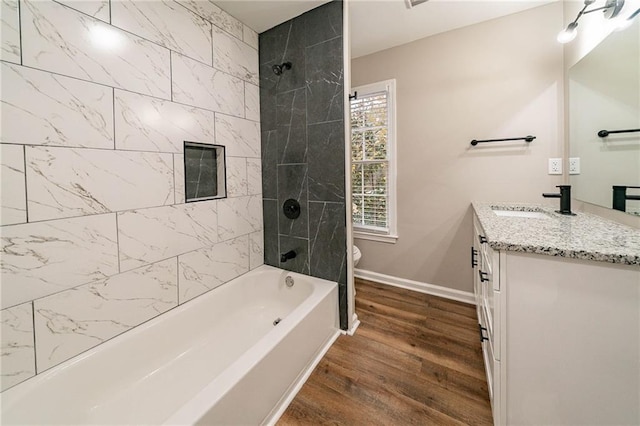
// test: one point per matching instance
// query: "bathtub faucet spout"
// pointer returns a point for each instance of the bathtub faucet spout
(288, 255)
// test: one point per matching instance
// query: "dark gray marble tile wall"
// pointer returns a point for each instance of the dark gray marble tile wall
(303, 142)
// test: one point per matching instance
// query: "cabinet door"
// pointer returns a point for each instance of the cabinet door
(487, 353)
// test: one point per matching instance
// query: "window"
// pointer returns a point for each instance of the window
(204, 171)
(373, 162)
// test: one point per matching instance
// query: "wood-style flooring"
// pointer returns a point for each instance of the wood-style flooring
(415, 359)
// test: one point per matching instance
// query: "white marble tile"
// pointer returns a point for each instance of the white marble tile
(207, 268)
(240, 137)
(67, 182)
(254, 176)
(150, 235)
(256, 249)
(17, 362)
(96, 8)
(9, 31)
(200, 85)
(235, 57)
(251, 101)
(250, 37)
(42, 258)
(178, 173)
(144, 123)
(236, 176)
(166, 23)
(13, 199)
(40, 108)
(208, 10)
(78, 319)
(239, 216)
(56, 38)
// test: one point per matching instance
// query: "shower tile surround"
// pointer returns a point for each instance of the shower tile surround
(302, 118)
(98, 98)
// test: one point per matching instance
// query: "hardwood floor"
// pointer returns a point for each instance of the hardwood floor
(415, 359)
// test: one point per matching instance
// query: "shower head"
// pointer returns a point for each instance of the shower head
(279, 69)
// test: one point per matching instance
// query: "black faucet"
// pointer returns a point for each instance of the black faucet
(286, 256)
(565, 199)
(620, 197)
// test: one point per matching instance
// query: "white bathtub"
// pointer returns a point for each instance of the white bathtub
(215, 360)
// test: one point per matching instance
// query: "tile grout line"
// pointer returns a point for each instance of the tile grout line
(26, 193)
(113, 94)
(33, 319)
(131, 91)
(150, 263)
(20, 29)
(175, 194)
(306, 136)
(147, 40)
(118, 242)
(130, 32)
(141, 323)
(177, 281)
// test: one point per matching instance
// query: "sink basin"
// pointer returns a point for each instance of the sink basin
(520, 213)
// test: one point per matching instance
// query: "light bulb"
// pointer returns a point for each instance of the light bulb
(569, 33)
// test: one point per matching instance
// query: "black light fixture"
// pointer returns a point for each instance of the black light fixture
(610, 10)
(413, 3)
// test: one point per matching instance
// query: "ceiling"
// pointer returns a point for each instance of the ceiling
(381, 24)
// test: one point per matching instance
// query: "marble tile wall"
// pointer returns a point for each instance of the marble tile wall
(97, 100)
(303, 142)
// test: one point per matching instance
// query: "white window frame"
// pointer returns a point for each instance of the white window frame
(368, 232)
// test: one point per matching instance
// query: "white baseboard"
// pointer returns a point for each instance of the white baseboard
(279, 410)
(434, 290)
(355, 322)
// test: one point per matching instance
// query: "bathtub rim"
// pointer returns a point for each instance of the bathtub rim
(15, 394)
(214, 391)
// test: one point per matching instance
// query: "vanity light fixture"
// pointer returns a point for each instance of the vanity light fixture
(610, 10)
(626, 23)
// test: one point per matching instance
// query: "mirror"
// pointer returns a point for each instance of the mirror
(604, 94)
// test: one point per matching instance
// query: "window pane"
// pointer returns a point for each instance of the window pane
(357, 115)
(356, 145)
(376, 144)
(375, 211)
(375, 111)
(356, 178)
(375, 178)
(357, 209)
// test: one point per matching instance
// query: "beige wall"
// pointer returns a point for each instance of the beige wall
(501, 78)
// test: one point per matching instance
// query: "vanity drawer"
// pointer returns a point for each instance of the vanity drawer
(489, 298)
(487, 354)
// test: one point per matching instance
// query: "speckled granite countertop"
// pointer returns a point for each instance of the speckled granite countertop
(584, 236)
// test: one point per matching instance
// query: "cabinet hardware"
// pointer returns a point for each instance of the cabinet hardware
(481, 329)
(484, 276)
(474, 262)
(483, 240)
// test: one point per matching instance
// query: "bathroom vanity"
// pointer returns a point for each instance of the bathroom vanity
(558, 303)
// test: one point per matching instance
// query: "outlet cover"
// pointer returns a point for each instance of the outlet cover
(574, 165)
(555, 166)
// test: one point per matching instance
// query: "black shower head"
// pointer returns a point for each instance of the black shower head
(279, 69)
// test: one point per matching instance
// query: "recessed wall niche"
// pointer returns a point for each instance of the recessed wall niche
(204, 171)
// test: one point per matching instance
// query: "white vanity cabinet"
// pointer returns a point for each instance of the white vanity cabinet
(560, 336)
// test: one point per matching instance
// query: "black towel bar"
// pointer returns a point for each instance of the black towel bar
(525, 138)
(605, 133)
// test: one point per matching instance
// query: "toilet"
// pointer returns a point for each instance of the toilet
(356, 255)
